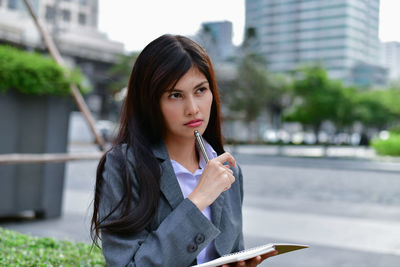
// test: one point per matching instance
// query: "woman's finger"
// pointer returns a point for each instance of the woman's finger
(226, 157)
(231, 178)
(227, 167)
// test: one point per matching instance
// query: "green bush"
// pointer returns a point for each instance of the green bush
(22, 250)
(388, 147)
(33, 73)
(395, 130)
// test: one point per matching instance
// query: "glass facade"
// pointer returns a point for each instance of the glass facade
(338, 34)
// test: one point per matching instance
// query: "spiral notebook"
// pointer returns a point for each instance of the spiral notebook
(252, 252)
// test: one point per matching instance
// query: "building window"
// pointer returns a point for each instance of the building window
(50, 13)
(12, 4)
(66, 15)
(83, 2)
(82, 19)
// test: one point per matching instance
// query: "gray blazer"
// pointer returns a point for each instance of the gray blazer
(179, 230)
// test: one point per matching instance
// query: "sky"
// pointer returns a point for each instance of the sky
(137, 22)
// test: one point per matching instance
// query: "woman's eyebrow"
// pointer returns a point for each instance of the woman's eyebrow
(200, 84)
(174, 90)
(179, 90)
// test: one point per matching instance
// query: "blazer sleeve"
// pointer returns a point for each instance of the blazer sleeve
(177, 240)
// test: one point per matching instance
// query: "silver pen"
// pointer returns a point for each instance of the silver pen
(201, 145)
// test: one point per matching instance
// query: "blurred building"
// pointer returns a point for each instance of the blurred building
(341, 35)
(74, 27)
(216, 38)
(390, 56)
(364, 75)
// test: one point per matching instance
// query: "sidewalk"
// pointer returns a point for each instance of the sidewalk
(306, 151)
(339, 152)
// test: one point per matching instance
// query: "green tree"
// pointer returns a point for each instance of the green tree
(391, 99)
(344, 112)
(277, 98)
(248, 92)
(119, 78)
(316, 98)
(378, 108)
(255, 91)
(120, 72)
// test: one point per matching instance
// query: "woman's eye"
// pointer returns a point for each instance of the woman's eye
(174, 95)
(201, 90)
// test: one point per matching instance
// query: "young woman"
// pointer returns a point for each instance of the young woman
(157, 202)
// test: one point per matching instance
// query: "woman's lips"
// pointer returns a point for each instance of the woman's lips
(194, 123)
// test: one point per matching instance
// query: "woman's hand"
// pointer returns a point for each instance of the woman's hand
(253, 261)
(215, 179)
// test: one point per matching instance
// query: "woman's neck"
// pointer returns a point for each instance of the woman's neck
(184, 152)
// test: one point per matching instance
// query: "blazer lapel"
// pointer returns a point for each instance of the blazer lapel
(168, 183)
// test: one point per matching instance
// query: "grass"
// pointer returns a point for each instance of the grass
(23, 250)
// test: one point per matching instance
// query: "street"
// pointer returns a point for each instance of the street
(347, 211)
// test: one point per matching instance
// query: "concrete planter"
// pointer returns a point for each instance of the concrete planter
(32, 124)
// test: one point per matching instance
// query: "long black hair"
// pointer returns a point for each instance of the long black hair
(158, 68)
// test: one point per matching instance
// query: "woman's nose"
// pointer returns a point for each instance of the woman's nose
(191, 106)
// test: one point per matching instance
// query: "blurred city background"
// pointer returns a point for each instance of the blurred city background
(310, 94)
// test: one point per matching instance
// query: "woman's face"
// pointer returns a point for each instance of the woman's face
(187, 106)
